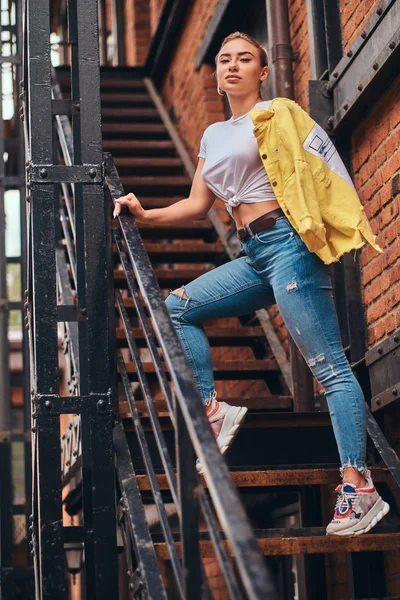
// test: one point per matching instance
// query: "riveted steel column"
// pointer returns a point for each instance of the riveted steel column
(49, 560)
(84, 169)
(98, 305)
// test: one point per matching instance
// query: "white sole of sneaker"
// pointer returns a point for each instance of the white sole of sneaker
(229, 430)
(373, 516)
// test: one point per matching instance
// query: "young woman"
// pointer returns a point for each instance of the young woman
(296, 211)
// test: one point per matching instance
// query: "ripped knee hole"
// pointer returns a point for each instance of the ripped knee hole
(180, 292)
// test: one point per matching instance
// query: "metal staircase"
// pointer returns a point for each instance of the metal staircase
(273, 460)
(126, 485)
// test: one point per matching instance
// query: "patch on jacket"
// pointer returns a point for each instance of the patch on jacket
(319, 143)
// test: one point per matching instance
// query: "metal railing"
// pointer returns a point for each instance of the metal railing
(214, 497)
(65, 289)
(221, 508)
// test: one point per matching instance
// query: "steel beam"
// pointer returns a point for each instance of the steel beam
(358, 78)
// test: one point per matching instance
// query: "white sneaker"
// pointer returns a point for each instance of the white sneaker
(225, 421)
(357, 510)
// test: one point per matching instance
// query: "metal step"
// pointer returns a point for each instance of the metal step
(275, 421)
(151, 184)
(223, 369)
(147, 162)
(310, 540)
(149, 166)
(184, 230)
(167, 278)
(265, 403)
(122, 84)
(143, 148)
(119, 113)
(184, 251)
(277, 478)
(217, 336)
(127, 98)
(153, 131)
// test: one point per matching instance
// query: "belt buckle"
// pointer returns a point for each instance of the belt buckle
(248, 229)
(246, 232)
(241, 232)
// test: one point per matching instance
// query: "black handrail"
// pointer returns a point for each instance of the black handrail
(188, 414)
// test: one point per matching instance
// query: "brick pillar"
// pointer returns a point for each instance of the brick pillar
(137, 41)
(216, 580)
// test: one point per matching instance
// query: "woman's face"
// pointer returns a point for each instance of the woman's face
(239, 71)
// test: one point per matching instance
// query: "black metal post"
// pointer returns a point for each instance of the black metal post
(188, 500)
(91, 313)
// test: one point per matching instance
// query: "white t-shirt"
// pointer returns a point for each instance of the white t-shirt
(233, 169)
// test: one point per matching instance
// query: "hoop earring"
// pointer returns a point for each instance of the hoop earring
(220, 92)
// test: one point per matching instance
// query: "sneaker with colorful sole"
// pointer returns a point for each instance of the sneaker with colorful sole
(225, 421)
(357, 510)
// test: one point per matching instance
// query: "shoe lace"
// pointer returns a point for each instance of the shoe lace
(346, 499)
(212, 400)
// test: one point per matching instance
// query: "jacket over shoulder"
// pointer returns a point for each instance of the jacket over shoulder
(310, 181)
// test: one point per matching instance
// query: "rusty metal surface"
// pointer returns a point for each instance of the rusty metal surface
(287, 544)
(279, 477)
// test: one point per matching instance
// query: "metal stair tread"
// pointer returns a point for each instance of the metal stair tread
(300, 541)
(134, 127)
(168, 274)
(272, 402)
(276, 477)
(181, 227)
(118, 112)
(217, 333)
(128, 97)
(261, 419)
(110, 143)
(145, 161)
(155, 180)
(233, 366)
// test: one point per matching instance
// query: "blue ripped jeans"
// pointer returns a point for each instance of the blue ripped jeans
(278, 269)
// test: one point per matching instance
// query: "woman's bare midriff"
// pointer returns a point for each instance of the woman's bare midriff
(244, 213)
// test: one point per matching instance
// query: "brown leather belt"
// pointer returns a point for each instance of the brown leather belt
(264, 222)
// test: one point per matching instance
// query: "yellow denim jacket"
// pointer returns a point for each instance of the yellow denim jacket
(310, 181)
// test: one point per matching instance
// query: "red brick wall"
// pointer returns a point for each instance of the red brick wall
(184, 88)
(376, 160)
(216, 579)
(354, 16)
